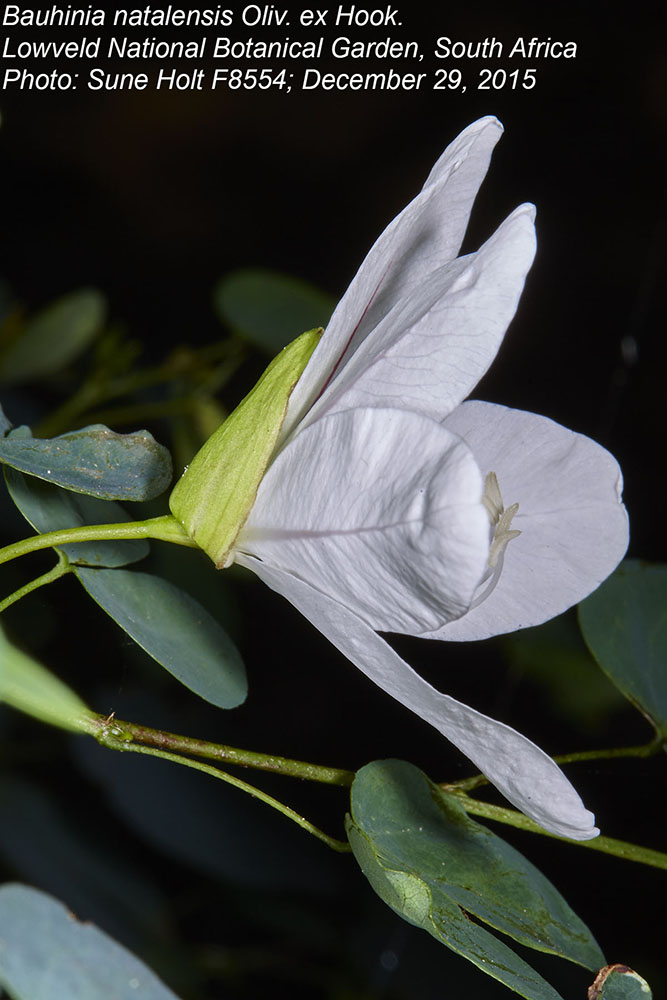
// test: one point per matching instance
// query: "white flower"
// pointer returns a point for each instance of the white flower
(390, 505)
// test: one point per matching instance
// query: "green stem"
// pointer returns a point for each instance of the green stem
(62, 566)
(608, 845)
(166, 528)
(131, 732)
(643, 750)
(108, 739)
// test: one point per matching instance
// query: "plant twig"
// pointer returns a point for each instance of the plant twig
(108, 738)
(643, 750)
(60, 569)
(608, 845)
(131, 732)
(165, 528)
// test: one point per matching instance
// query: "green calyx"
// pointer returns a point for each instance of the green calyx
(215, 494)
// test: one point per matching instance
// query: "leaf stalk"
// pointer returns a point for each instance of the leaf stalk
(132, 733)
(608, 845)
(165, 528)
(112, 735)
(62, 567)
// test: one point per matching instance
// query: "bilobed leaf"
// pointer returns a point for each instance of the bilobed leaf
(268, 308)
(54, 337)
(48, 508)
(174, 629)
(408, 896)
(624, 624)
(47, 954)
(95, 461)
(29, 687)
(618, 982)
(435, 867)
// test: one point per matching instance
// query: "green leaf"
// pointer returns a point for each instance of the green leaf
(174, 629)
(618, 982)
(54, 337)
(48, 508)
(269, 308)
(408, 896)
(435, 866)
(95, 461)
(29, 687)
(624, 624)
(46, 954)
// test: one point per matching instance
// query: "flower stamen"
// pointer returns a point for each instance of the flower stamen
(501, 535)
(500, 518)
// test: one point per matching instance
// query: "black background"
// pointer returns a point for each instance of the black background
(151, 197)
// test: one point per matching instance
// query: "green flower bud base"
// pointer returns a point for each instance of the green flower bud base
(215, 494)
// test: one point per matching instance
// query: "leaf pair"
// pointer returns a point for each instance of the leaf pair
(166, 622)
(443, 872)
(434, 866)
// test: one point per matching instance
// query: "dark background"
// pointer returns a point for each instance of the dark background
(152, 197)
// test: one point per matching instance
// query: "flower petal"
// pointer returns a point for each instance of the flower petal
(430, 351)
(522, 772)
(574, 527)
(426, 235)
(381, 509)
